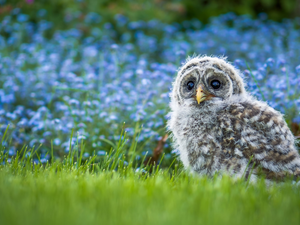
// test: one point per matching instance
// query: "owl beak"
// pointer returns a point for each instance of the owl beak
(200, 96)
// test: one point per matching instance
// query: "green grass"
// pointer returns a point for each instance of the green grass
(108, 191)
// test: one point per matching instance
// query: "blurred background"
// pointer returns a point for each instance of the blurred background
(89, 65)
(59, 11)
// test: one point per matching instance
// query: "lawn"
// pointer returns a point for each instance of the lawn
(62, 193)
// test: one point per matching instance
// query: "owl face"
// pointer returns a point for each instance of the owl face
(205, 85)
(202, 79)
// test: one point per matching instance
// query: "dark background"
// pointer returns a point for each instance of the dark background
(164, 10)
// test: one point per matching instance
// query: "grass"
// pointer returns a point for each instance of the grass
(109, 191)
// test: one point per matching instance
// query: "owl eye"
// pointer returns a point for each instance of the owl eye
(215, 84)
(190, 85)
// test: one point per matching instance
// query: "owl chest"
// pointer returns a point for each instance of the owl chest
(204, 146)
(200, 135)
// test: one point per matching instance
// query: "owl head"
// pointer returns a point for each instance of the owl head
(202, 79)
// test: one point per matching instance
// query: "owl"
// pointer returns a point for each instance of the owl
(220, 128)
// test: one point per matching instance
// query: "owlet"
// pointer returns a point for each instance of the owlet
(220, 128)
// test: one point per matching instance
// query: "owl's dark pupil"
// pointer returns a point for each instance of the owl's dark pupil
(215, 84)
(190, 85)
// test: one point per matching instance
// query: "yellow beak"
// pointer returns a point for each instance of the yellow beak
(200, 96)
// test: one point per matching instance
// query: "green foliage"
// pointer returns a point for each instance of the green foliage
(163, 10)
(276, 9)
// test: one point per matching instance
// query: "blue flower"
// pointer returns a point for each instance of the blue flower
(22, 18)
(101, 153)
(86, 155)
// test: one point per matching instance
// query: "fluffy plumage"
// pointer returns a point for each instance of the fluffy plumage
(225, 129)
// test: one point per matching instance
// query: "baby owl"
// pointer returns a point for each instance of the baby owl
(218, 127)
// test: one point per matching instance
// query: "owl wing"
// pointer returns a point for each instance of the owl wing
(253, 130)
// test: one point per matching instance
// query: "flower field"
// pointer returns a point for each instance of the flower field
(82, 108)
(93, 80)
